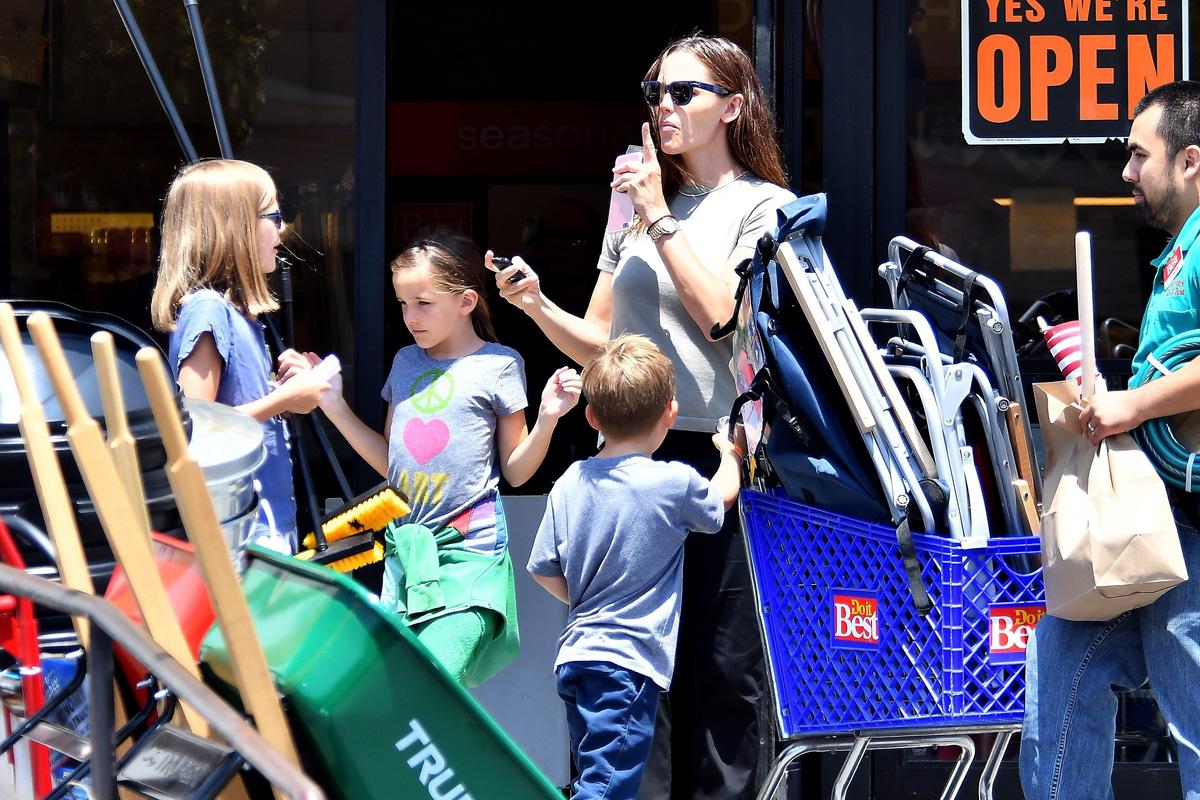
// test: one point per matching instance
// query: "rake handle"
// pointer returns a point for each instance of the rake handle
(41, 328)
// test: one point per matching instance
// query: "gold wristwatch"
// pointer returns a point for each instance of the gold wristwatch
(663, 226)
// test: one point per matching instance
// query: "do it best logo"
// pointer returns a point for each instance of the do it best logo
(855, 618)
(1009, 629)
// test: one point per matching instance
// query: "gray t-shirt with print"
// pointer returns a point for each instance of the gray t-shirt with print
(722, 227)
(614, 529)
(442, 445)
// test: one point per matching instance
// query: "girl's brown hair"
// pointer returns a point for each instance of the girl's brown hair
(751, 136)
(210, 238)
(456, 266)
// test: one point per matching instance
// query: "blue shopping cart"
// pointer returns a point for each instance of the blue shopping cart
(853, 665)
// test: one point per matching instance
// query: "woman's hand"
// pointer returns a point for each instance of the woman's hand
(643, 182)
(525, 293)
(561, 393)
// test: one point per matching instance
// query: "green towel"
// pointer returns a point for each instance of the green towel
(440, 577)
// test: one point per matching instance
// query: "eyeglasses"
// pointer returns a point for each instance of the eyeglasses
(680, 91)
(275, 216)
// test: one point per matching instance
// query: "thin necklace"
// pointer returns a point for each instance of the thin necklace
(707, 189)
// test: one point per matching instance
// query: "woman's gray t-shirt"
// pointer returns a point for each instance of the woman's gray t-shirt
(722, 227)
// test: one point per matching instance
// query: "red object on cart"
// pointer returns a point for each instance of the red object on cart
(19, 637)
(185, 589)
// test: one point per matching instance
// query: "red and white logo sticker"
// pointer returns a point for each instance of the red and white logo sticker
(1172, 266)
(855, 618)
(1009, 627)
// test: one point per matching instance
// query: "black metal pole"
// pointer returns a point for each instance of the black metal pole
(210, 84)
(160, 88)
(101, 718)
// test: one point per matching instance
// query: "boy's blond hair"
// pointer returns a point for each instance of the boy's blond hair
(628, 385)
(210, 238)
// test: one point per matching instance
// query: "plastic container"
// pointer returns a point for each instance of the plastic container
(372, 712)
(846, 647)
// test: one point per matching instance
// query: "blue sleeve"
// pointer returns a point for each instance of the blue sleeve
(702, 509)
(543, 558)
(201, 314)
(509, 395)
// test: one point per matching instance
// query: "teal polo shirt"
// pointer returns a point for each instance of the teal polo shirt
(1174, 305)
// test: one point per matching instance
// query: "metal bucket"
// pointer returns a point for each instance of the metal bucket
(228, 445)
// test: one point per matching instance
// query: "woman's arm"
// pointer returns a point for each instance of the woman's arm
(576, 337)
(367, 442)
(521, 452)
(707, 297)
(200, 377)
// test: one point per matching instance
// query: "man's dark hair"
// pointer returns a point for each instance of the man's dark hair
(1180, 123)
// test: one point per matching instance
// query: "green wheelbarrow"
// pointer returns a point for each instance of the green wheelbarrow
(373, 713)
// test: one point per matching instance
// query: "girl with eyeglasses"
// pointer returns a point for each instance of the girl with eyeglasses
(709, 182)
(221, 229)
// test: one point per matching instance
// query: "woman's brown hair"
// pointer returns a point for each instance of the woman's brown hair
(751, 136)
(456, 265)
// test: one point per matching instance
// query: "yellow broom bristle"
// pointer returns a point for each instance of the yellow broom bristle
(351, 563)
(371, 514)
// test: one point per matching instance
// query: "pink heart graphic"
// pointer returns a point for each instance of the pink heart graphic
(425, 439)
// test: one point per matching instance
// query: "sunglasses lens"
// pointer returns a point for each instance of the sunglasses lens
(651, 91)
(681, 92)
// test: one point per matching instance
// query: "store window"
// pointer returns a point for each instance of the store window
(1011, 210)
(87, 152)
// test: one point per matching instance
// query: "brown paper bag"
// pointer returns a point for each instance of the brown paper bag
(1109, 541)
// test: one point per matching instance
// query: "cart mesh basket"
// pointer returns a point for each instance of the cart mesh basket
(846, 647)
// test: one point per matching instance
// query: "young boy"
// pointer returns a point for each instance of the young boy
(611, 547)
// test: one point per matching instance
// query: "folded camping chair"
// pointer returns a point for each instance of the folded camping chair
(978, 332)
(805, 265)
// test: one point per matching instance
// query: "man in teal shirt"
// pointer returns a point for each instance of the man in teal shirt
(1070, 709)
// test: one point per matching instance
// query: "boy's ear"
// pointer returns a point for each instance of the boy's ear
(590, 416)
(468, 301)
(671, 413)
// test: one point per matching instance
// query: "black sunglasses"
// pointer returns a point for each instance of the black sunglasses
(275, 216)
(680, 91)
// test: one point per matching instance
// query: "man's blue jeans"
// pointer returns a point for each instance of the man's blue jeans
(1067, 743)
(610, 716)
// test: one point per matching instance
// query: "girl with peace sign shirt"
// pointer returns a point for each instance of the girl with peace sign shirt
(708, 184)
(455, 422)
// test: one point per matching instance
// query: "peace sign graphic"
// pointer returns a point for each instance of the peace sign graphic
(431, 391)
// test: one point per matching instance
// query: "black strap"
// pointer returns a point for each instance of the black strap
(968, 303)
(744, 271)
(763, 388)
(915, 258)
(912, 567)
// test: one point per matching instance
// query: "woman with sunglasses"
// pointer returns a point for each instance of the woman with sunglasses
(707, 187)
(221, 229)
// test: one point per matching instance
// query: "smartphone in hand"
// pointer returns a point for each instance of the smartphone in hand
(499, 263)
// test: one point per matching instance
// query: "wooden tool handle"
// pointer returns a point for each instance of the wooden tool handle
(14, 349)
(204, 531)
(41, 328)
(121, 441)
(47, 473)
(105, 354)
(117, 515)
(1020, 444)
(1028, 508)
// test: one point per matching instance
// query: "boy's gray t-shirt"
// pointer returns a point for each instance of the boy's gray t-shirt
(442, 445)
(722, 226)
(614, 528)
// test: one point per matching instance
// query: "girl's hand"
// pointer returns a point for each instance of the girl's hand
(291, 363)
(561, 393)
(525, 293)
(302, 393)
(643, 182)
